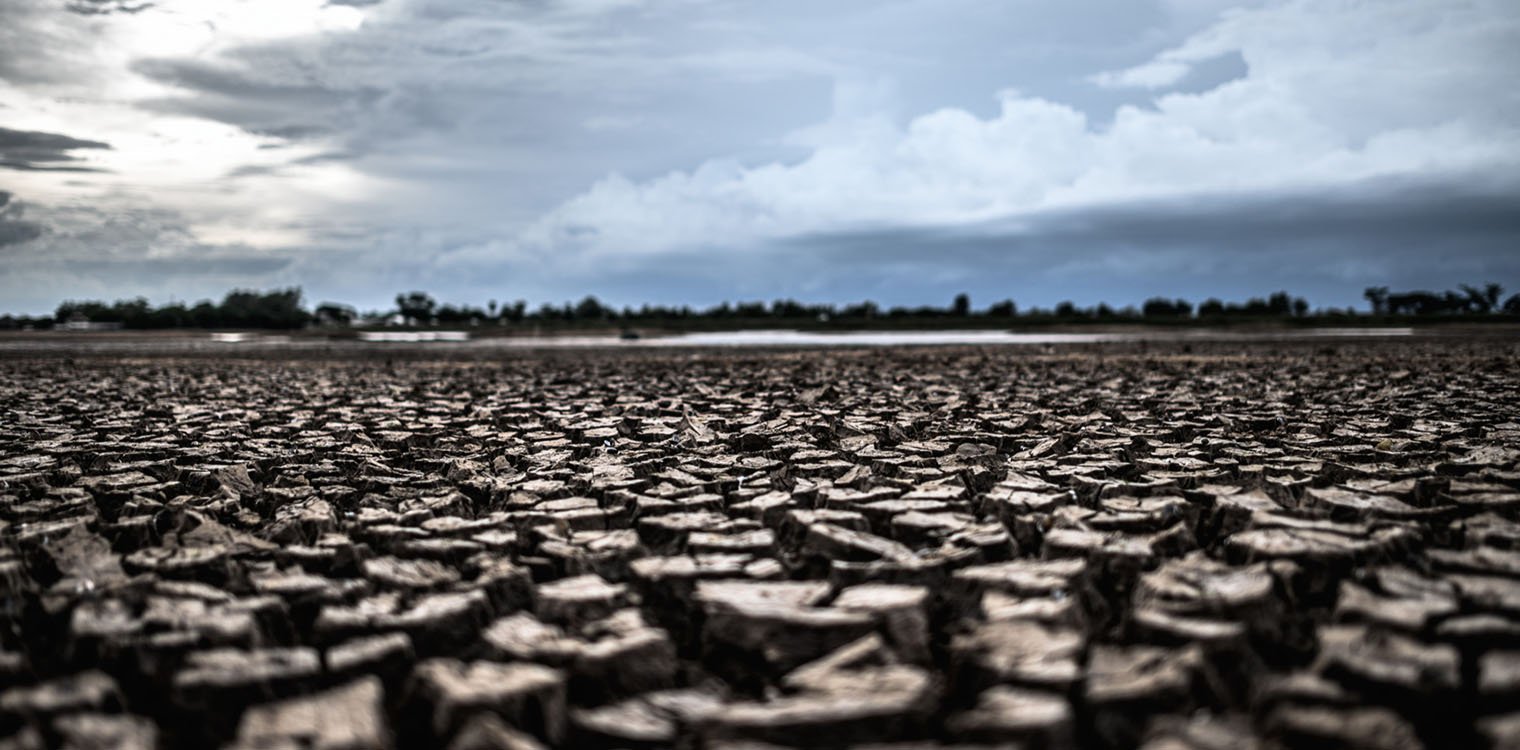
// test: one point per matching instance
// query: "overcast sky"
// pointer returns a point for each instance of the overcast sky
(691, 151)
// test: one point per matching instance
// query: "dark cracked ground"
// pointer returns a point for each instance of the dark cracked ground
(1213, 547)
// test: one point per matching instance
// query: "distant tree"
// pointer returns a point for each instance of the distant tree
(750, 310)
(1160, 307)
(1377, 296)
(416, 307)
(96, 311)
(1492, 292)
(1452, 302)
(24, 322)
(244, 308)
(172, 315)
(1423, 303)
(1280, 304)
(1004, 309)
(591, 308)
(333, 313)
(863, 310)
(788, 308)
(282, 308)
(454, 315)
(1485, 300)
(206, 314)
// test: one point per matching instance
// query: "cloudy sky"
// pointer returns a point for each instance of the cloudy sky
(699, 150)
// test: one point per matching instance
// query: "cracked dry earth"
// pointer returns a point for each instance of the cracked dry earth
(1244, 546)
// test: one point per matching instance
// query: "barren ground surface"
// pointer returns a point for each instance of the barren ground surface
(1212, 547)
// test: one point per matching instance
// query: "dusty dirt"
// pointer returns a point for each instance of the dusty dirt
(1210, 546)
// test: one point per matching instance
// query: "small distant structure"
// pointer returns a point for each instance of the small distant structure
(81, 322)
(334, 315)
(391, 320)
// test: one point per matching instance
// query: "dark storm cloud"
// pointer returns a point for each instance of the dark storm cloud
(31, 50)
(111, 247)
(237, 94)
(13, 229)
(1387, 214)
(108, 249)
(294, 132)
(1379, 220)
(106, 7)
(324, 157)
(189, 265)
(37, 151)
(1325, 243)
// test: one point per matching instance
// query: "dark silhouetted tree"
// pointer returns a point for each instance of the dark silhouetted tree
(1377, 296)
(332, 313)
(1004, 309)
(247, 308)
(1160, 307)
(1280, 304)
(961, 307)
(416, 307)
(591, 308)
(1485, 300)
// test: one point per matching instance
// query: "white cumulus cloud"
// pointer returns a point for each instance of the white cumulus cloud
(1336, 93)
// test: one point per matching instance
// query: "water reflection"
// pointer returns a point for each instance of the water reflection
(457, 340)
(943, 338)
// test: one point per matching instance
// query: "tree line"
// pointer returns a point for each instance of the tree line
(240, 308)
(285, 309)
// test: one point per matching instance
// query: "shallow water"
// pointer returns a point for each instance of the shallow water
(940, 338)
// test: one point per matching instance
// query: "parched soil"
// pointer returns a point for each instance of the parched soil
(1211, 547)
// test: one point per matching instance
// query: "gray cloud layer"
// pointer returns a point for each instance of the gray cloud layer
(13, 229)
(32, 150)
(693, 150)
(106, 7)
(1322, 243)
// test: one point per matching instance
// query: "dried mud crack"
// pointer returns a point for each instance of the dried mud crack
(1233, 546)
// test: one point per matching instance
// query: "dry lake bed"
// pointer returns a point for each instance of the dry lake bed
(1212, 544)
